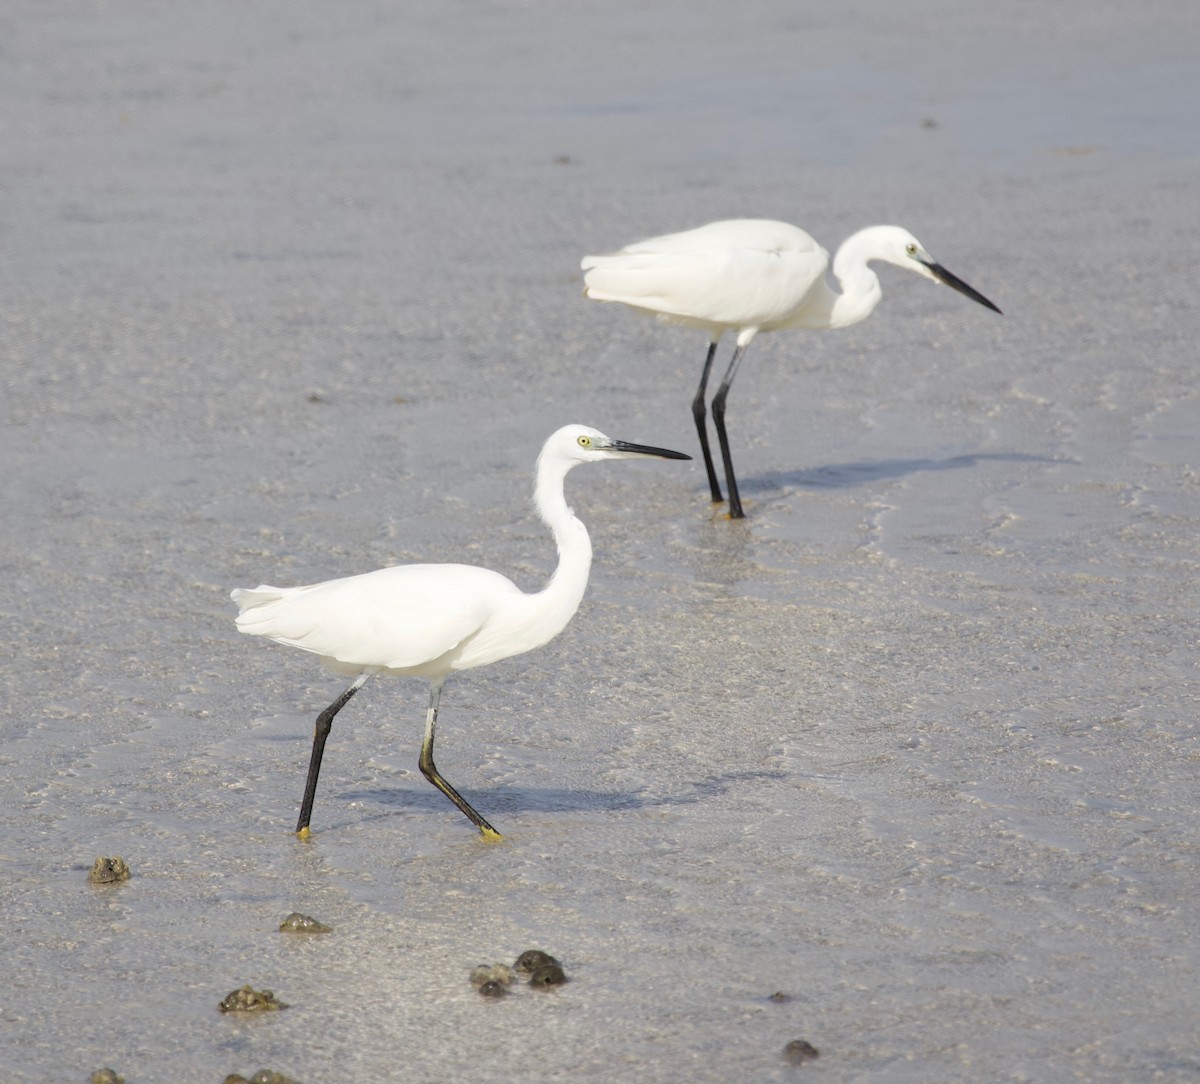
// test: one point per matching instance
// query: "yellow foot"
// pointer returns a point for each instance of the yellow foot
(302, 833)
(491, 835)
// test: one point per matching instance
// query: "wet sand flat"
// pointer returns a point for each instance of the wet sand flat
(291, 291)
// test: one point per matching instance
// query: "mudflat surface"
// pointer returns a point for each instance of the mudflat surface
(290, 290)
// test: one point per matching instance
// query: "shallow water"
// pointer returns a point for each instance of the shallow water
(292, 292)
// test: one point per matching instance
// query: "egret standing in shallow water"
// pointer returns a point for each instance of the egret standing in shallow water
(430, 620)
(750, 275)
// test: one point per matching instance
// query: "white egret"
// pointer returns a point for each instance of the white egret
(430, 620)
(750, 275)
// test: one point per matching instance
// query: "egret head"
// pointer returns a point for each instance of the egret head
(583, 444)
(897, 246)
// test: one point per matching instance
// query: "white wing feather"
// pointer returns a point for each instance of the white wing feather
(399, 618)
(740, 273)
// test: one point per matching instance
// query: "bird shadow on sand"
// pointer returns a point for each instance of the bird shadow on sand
(509, 800)
(865, 471)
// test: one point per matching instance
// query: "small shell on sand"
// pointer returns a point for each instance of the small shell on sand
(547, 975)
(248, 1000)
(298, 923)
(501, 973)
(107, 871)
(799, 1051)
(531, 959)
(263, 1076)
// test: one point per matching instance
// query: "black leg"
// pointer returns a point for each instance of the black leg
(430, 772)
(698, 412)
(324, 725)
(718, 411)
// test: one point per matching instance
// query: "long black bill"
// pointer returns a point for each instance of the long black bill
(645, 449)
(953, 281)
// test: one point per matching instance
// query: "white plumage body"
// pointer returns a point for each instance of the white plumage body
(749, 275)
(411, 620)
(738, 273)
(428, 620)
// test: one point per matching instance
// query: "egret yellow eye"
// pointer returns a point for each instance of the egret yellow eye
(911, 249)
(585, 442)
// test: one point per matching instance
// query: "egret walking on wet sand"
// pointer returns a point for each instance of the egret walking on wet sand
(430, 620)
(749, 275)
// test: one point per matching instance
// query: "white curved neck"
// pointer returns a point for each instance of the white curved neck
(860, 285)
(560, 598)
